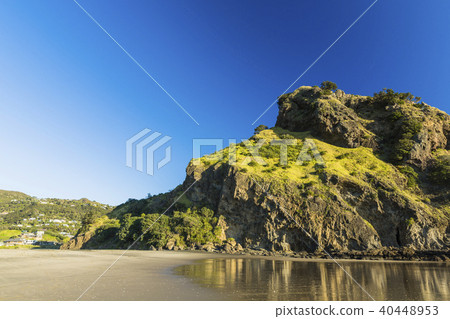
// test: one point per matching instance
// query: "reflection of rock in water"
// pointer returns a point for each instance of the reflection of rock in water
(261, 279)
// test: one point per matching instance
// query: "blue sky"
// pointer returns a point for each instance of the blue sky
(70, 97)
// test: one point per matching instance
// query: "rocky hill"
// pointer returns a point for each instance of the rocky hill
(364, 174)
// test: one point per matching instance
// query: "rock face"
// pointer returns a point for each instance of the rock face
(326, 117)
(78, 242)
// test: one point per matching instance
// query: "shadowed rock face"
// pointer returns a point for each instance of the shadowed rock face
(326, 117)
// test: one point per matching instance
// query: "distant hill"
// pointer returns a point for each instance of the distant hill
(59, 218)
(5, 195)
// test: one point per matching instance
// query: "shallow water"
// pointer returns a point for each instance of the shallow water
(265, 279)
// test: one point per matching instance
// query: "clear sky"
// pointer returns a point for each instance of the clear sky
(70, 97)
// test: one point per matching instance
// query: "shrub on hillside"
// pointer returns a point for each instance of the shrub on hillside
(196, 226)
(260, 128)
(440, 172)
(328, 85)
(401, 149)
(390, 97)
(408, 129)
(411, 126)
(395, 116)
(410, 174)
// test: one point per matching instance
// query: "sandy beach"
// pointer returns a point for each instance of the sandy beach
(186, 275)
(65, 275)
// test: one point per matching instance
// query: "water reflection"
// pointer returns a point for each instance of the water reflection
(262, 279)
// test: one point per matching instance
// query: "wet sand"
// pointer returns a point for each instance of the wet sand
(284, 279)
(65, 275)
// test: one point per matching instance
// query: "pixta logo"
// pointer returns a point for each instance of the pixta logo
(141, 149)
(308, 151)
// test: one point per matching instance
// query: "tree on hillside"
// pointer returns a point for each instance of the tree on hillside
(260, 128)
(87, 220)
(328, 85)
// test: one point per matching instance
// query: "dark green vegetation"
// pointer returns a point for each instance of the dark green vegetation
(260, 128)
(360, 173)
(180, 229)
(390, 97)
(440, 171)
(22, 213)
(328, 87)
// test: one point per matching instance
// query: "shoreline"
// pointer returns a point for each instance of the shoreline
(304, 259)
(382, 254)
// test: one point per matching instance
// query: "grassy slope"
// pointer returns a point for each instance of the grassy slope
(358, 165)
(7, 234)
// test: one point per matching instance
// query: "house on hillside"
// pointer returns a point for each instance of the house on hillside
(66, 234)
(14, 242)
(27, 235)
(47, 244)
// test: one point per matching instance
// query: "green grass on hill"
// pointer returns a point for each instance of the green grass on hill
(358, 165)
(48, 237)
(354, 164)
(7, 234)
